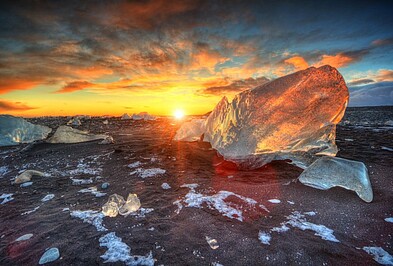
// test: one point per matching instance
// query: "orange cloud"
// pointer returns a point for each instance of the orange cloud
(337, 61)
(384, 75)
(75, 86)
(298, 62)
(7, 106)
(10, 84)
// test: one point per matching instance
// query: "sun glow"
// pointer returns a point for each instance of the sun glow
(178, 114)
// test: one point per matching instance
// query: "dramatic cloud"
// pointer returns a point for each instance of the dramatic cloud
(235, 86)
(360, 82)
(75, 86)
(384, 75)
(8, 106)
(298, 62)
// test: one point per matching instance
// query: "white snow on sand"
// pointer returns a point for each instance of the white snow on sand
(215, 202)
(134, 165)
(6, 198)
(48, 197)
(165, 186)
(117, 250)
(91, 217)
(274, 201)
(389, 219)
(92, 190)
(28, 212)
(380, 255)
(264, 237)
(298, 220)
(76, 181)
(144, 173)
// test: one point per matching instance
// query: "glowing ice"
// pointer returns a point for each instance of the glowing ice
(328, 172)
(117, 205)
(15, 130)
(27, 175)
(131, 205)
(191, 130)
(293, 117)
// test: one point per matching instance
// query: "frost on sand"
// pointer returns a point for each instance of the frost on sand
(215, 202)
(91, 217)
(117, 250)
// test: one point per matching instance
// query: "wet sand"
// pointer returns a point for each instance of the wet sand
(178, 236)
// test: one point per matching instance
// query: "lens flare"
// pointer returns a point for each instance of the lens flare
(178, 114)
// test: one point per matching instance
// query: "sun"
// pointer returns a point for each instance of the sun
(178, 114)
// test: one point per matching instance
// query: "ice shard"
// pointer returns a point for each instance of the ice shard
(328, 172)
(65, 134)
(191, 130)
(293, 117)
(15, 130)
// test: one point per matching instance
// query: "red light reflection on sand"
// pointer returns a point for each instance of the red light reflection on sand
(260, 185)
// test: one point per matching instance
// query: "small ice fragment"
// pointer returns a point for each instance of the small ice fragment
(50, 255)
(134, 165)
(27, 184)
(290, 202)
(389, 219)
(212, 242)
(27, 175)
(48, 197)
(66, 209)
(264, 237)
(386, 148)
(76, 181)
(33, 210)
(131, 205)
(105, 185)
(111, 207)
(24, 237)
(350, 140)
(6, 198)
(281, 229)
(165, 186)
(92, 190)
(275, 201)
(380, 255)
(310, 213)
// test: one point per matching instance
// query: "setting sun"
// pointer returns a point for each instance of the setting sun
(178, 114)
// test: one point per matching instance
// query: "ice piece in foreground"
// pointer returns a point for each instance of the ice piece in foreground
(328, 172)
(293, 117)
(117, 205)
(27, 175)
(65, 134)
(191, 130)
(15, 130)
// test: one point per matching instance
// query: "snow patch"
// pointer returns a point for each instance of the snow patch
(91, 217)
(215, 202)
(117, 250)
(143, 173)
(264, 237)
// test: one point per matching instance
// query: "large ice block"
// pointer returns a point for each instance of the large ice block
(328, 172)
(293, 117)
(15, 130)
(191, 130)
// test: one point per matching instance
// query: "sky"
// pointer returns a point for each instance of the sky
(115, 57)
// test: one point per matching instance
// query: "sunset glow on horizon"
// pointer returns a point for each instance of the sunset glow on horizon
(110, 58)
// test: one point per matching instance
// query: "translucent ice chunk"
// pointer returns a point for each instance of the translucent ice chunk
(293, 117)
(111, 208)
(50, 255)
(131, 205)
(15, 130)
(212, 242)
(191, 131)
(328, 172)
(65, 134)
(27, 175)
